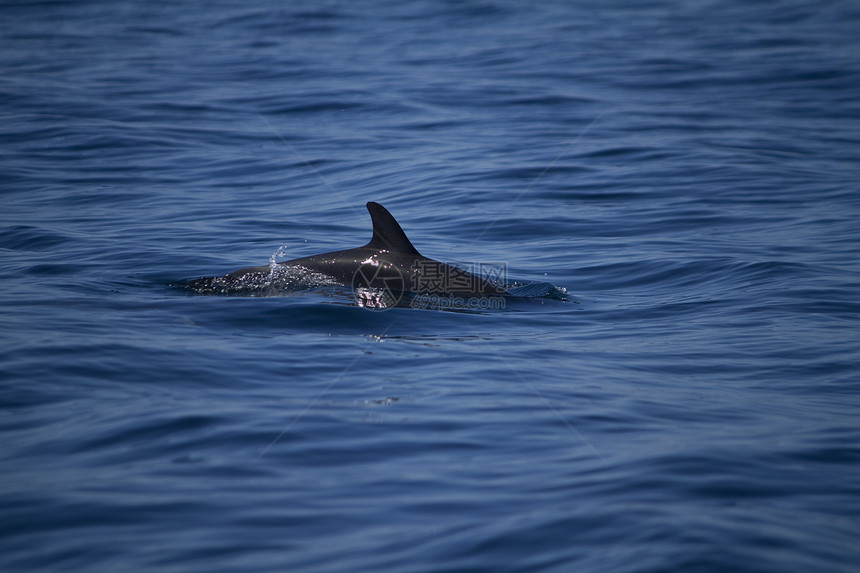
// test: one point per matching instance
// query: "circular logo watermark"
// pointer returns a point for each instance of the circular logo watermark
(377, 284)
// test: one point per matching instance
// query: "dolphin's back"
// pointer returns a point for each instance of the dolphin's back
(389, 249)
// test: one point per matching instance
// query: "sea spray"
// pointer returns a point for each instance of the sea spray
(273, 261)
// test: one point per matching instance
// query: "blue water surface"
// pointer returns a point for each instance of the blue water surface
(674, 185)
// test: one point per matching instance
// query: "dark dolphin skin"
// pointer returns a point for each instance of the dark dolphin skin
(388, 261)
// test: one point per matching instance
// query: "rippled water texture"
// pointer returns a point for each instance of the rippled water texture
(672, 185)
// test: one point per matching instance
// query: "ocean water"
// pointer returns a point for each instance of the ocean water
(674, 185)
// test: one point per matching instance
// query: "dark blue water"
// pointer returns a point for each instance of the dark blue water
(687, 172)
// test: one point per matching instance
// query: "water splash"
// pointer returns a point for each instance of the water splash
(272, 280)
(541, 290)
(280, 252)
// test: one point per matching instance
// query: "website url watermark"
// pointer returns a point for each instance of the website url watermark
(445, 302)
(429, 284)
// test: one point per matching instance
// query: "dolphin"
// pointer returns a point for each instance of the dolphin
(388, 262)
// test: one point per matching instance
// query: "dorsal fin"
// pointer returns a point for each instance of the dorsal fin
(387, 234)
